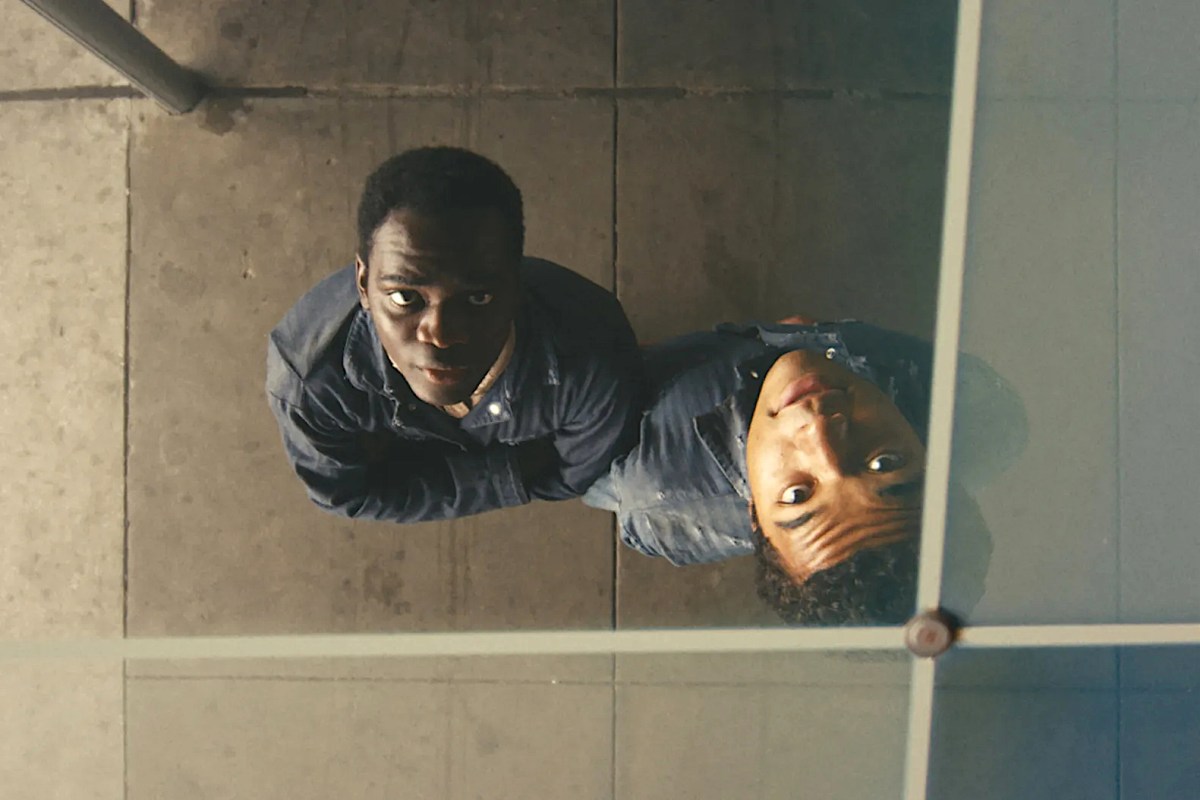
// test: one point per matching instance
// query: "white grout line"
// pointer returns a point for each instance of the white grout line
(920, 727)
(949, 303)
(1098, 635)
(727, 640)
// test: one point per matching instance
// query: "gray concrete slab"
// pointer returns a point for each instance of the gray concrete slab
(61, 733)
(1042, 50)
(510, 669)
(758, 208)
(1040, 308)
(1158, 188)
(1040, 744)
(866, 45)
(318, 739)
(454, 43)
(62, 339)
(651, 593)
(715, 742)
(809, 669)
(36, 55)
(1157, 49)
(237, 211)
(1157, 751)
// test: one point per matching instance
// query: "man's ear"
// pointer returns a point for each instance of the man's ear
(360, 280)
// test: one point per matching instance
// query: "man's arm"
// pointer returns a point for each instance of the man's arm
(600, 421)
(352, 475)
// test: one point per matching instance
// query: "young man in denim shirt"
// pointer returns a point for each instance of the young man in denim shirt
(444, 373)
(802, 443)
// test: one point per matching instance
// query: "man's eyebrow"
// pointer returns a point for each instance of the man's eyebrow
(409, 278)
(792, 524)
(902, 489)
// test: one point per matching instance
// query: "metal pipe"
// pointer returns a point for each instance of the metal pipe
(126, 49)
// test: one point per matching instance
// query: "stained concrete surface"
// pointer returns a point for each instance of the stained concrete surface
(34, 55)
(646, 165)
(62, 342)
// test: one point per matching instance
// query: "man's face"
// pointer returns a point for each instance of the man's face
(833, 465)
(442, 292)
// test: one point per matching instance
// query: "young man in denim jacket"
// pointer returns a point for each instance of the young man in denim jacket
(444, 373)
(802, 443)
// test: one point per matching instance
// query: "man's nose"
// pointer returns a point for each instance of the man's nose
(440, 329)
(827, 433)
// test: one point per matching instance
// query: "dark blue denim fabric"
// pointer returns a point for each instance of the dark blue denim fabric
(366, 447)
(682, 492)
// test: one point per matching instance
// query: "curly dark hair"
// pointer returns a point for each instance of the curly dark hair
(875, 586)
(437, 180)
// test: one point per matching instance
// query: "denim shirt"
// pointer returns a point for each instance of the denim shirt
(682, 492)
(366, 447)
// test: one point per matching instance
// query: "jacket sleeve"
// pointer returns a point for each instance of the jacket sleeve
(398, 482)
(601, 409)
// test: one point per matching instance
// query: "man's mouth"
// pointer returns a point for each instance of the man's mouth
(804, 386)
(447, 375)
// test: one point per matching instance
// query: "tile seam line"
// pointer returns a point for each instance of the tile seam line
(125, 444)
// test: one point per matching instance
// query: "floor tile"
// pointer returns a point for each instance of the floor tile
(1040, 308)
(34, 54)
(1042, 745)
(1159, 754)
(1157, 49)
(320, 738)
(759, 742)
(576, 669)
(1157, 241)
(1017, 669)
(866, 45)
(62, 340)
(1030, 50)
(454, 43)
(1165, 668)
(274, 739)
(752, 208)
(61, 734)
(527, 741)
(280, 181)
(847, 668)
(652, 593)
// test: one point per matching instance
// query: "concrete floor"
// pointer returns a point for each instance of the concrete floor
(709, 162)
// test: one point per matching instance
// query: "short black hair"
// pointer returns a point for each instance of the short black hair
(875, 586)
(438, 180)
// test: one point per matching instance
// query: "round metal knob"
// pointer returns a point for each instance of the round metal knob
(930, 633)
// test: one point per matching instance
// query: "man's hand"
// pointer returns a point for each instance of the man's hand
(535, 459)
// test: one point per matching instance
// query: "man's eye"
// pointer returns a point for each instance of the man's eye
(403, 297)
(886, 462)
(479, 298)
(794, 495)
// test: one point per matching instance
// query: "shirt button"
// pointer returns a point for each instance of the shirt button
(493, 409)
(830, 353)
(412, 406)
(753, 373)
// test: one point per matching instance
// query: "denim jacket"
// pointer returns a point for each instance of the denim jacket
(682, 492)
(573, 377)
